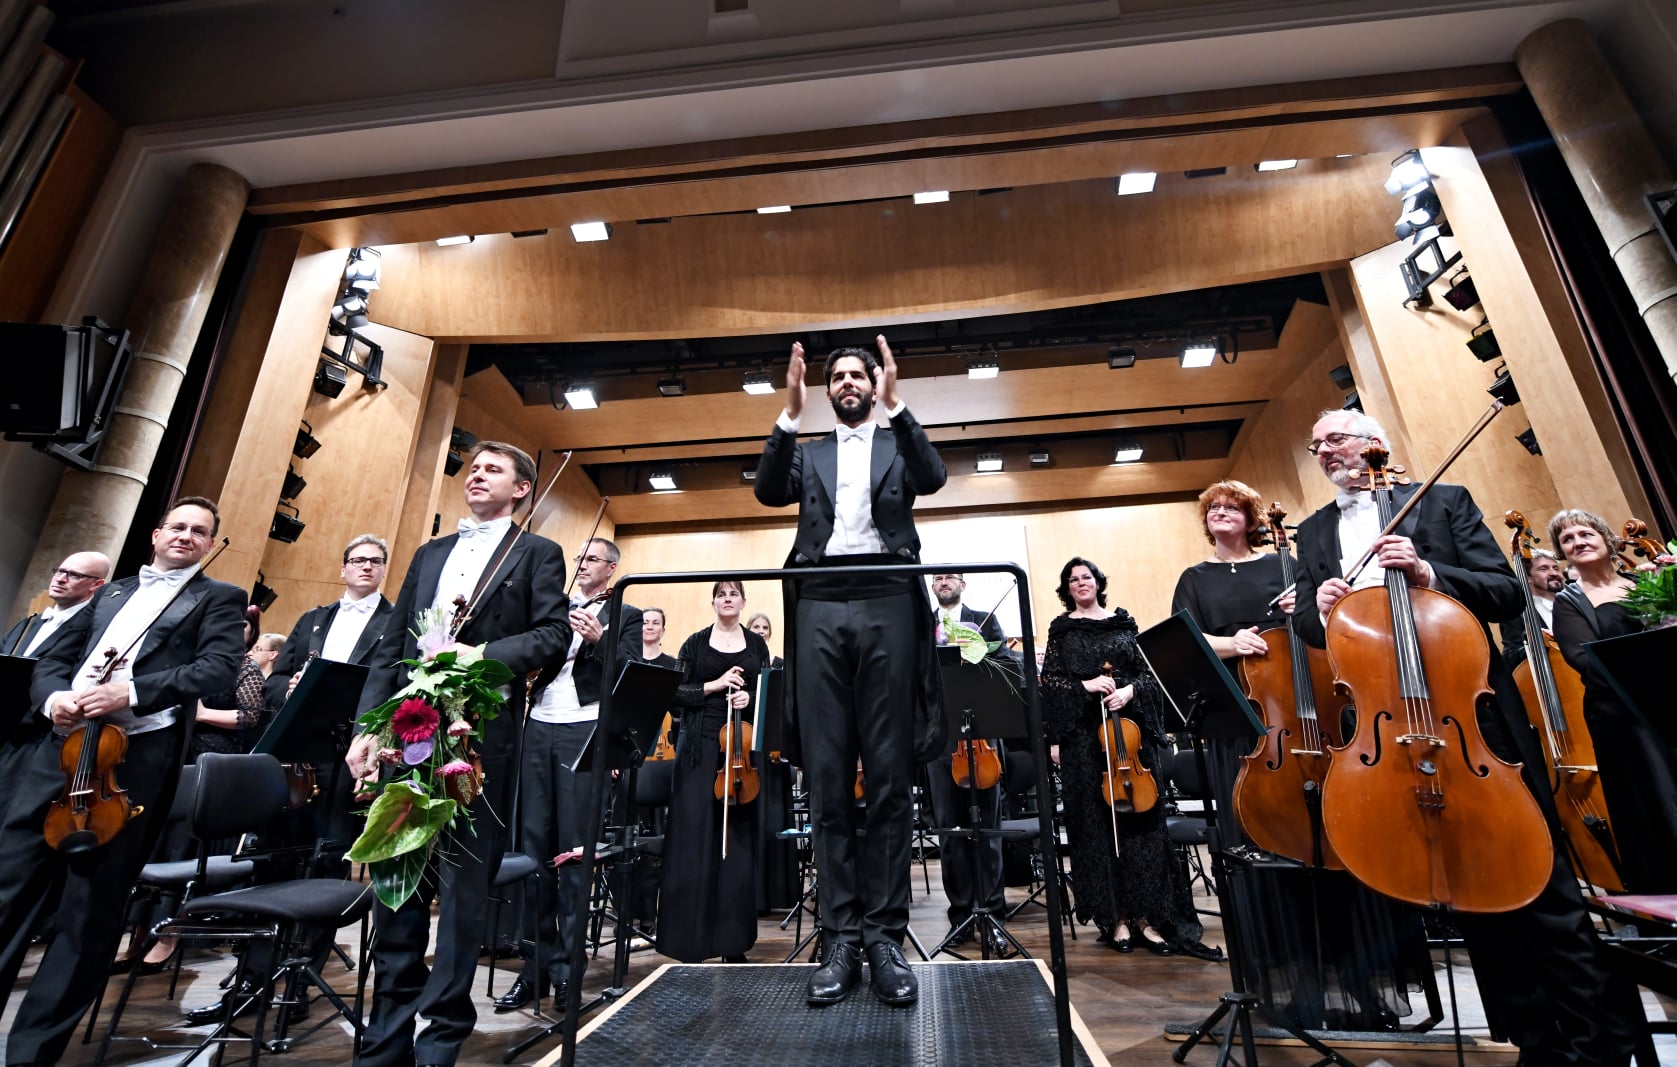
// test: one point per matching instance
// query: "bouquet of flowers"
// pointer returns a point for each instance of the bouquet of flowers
(1654, 599)
(426, 730)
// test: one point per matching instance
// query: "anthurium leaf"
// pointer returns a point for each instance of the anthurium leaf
(491, 673)
(972, 651)
(397, 878)
(401, 820)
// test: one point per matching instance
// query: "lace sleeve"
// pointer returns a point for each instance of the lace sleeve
(249, 695)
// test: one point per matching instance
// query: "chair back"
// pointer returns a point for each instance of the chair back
(1182, 768)
(237, 794)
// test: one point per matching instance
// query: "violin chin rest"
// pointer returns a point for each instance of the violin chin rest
(78, 841)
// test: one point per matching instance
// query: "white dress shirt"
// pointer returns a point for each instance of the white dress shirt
(1359, 525)
(467, 559)
(854, 532)
(51, 619)
(559, 701)
(347, 626)
(126, 633)
(1545, 611)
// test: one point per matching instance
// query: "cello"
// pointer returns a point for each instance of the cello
(1417, 806)
(1278, 792)
(1554, 697)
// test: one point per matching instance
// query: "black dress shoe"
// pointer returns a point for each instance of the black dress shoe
(836, 977)
(245, 999)
(893, 981)
(1157, 948)
(521, 995)
(1123, 944)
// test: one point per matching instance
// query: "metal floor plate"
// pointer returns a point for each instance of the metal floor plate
(745, 1015)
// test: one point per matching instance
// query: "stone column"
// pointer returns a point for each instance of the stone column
(1612, 158)
(94, 509)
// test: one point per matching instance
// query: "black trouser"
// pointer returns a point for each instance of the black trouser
(91, 903)
(553, 817)
(458, 877)
(951, 806)
(855, 691)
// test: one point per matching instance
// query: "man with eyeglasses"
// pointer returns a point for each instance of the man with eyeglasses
(1540, 968)
(565, 706)
(518, 614)
(347, 630)
(182, 638)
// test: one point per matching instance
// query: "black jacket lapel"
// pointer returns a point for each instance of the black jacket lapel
(370, 633)
(884, 451)
(825, 454)
(178, 609)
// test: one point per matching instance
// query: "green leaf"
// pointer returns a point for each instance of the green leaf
(972, 651)
(397, 878)
(401, 820)
(491, 673)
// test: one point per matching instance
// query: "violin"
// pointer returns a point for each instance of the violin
(301, 785)
(737, 780)
(1638, 542)
(1416, 804)
(861, 783)
(1554, 697)
(665, 748)
(1127, 785)
(976, 760)
(93, 808)
(1278, 792)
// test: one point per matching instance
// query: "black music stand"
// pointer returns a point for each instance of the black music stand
(315, 725)
(15, 675)
(639, 699)
(1210, 705)
(1635, 665)
(979, 701)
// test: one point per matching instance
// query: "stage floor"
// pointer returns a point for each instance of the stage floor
(979, 1013)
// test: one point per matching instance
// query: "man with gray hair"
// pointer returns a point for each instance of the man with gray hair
(348, 629)
(1544, 579)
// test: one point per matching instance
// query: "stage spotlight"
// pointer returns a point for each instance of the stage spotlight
(1529, 440)
(748, 475)
(286, 528)
(1276, 164)
(579, 396)
(350, 310)
(585, 232)
(989, 463)
(1503, 389)
(307, 444)
(292, 486)
(935, 196)
(1483, 343)
(1408, 174)
(1041, 458)
(662, 483)
(1120, 356)
(672, 387)
(1199, 354)
(1141, 181)
(758, 383)
(1127, 453)
(461, 239)
(1419, 212)
(982, 366)
(363, 270)
(261, 594)
(1462, 293)
(329, 378)
(1341, 376)
(778, 209)
(461, 440)
(452, 462)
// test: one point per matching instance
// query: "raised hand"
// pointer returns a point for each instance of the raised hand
(885, 382)
(795, 382)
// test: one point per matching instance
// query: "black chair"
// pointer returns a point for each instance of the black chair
(519, 870)
(238, 794)
(1022, 792)
(1188, 833)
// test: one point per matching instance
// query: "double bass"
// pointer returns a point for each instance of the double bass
(1416, 804)
(1554, 697)
(1278, 793)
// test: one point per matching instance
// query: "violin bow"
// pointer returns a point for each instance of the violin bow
(464, 615)
(1012, 585)
(592, 530)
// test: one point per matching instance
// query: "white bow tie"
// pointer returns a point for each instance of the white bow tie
(469, 529)
(364, 606)
(863, 432)
(1349, 501)
(150, 574)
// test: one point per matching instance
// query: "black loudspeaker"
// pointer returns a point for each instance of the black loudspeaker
(48, 376)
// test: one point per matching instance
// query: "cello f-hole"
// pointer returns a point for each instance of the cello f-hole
(1369, 760)
(1478, 770)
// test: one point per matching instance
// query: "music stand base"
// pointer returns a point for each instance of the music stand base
(1238, 1008)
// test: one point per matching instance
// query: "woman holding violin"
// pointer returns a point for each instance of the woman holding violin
(709, 896)
(1637, 765)
(1127, 881)
(1364, 938)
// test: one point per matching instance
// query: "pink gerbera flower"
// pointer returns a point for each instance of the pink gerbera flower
(414, 720)
(454, 768)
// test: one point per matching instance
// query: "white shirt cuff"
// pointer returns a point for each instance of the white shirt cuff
(133, 696)
(787, 422)
(902, 406)
(46, 706)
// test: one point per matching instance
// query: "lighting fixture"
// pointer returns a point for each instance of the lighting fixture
(936, 196)
(1503, 389)
(286, 528)
(461, 239)
(758, 383)
(1120, 356)
(1342, 378)
(452, 462)
(989, 463)
(1140, 181)
(1127, 453)
(1199, 354)
(262, 594)
(1041, 458)
(1419, 212)
(661, 483)
(329, 378)
(362, 271)
(1276, 164)
(1205, 172)
(351, 310)
(461, 440)
(748, 474)
(579, 396)
(591, 231)
(307, 444)
(529, 233)
(982, 367)
(672, 387)
(1529, 440)
(1483, 343)
(1462, 293)
(293, 485)
(1408, 174)
(778, 209)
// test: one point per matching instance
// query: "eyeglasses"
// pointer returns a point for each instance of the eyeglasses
(1232, 509)
(1334, 441)
(364, 561)
(198, 533)
(592, 559)
(64, 572)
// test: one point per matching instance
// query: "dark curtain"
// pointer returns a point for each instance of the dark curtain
(1638, 385)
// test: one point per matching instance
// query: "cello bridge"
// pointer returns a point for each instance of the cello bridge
(1305, 751)
(1577, 768)
(1436, 742)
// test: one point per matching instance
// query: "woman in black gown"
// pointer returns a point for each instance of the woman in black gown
(1372, 949)
(708, 905)
(1637, 764)
(1135, 893)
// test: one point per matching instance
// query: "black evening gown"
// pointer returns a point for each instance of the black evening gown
(1638, 765)
(708, 905)
(1373, 949)
(1140, 885)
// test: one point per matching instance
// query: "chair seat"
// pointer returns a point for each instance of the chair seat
(515, 867)
(220, 873)
(310, 901)
(1186, 829)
